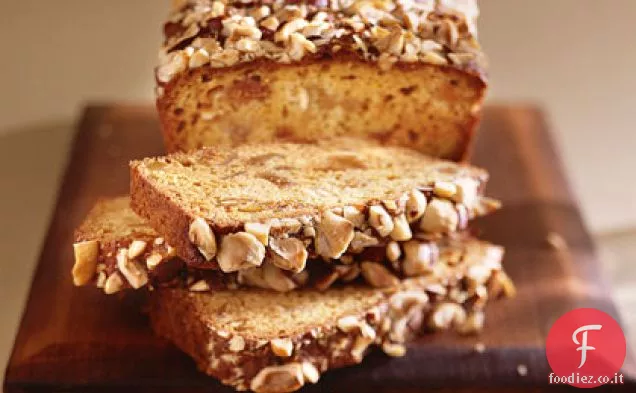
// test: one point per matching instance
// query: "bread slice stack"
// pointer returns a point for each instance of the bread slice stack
(273, 263)
(306, 215)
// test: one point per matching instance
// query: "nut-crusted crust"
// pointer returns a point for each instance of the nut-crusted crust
(338, 337)
(117, 239)
(401, 72)
(297, 183)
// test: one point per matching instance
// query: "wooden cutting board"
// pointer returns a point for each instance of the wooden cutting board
(77, 339)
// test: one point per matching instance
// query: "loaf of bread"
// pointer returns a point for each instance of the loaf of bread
(407, 73)
(272, 342)
(228, 208)
(116, 250)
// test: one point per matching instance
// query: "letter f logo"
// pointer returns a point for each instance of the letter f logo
(584, 347)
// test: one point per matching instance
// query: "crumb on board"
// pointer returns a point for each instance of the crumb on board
(522, 370)
(556, 241)
(479, 347)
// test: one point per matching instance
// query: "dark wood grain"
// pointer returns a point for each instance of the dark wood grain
(79, 340)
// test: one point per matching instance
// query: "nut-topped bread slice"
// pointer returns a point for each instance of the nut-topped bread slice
(115, 249)
(407, 73)
(277, 342)
(228, 208)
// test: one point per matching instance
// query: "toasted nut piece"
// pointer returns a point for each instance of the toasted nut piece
(311, 373)
(200, 286)
(354, 215)
(348, 324)
(153, 261)
(401, 229)
(404, 301)
(359, 347)
(419, 258)
(259, 230)
(136, 248)
(466, 191)
(361, 241)
(380, 220)
(301, 278)
(288, 254)
(393, 251)
(367, 331)
(473, 324)
(201, 235)
(236, 344)
(270, 23)
(253, 277)
(415, 205)
(440, 216)
(85, 266)
(445, 189)
(501, 285)
(113, 284)
(239, 251)
(276, 279)
(326, 281)
(377, 275)
(391, 206)
(135, 274)
(282, 347)
(333, 235)
(159, 241)
(279, 379)
(347, 273)
(101, 280)
(477, 275)
(445, 315)
(309, 231)
(393, 349)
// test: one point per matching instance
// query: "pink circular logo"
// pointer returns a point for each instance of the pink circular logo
(586, 348)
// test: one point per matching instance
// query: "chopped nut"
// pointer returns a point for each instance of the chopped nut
(253, 277)
(393, 349)
(247, 45)
(171, 65)
(301, 278)
(279, 379)
(405, 301)
(477, 275)
(377, 275)
(367, 331)
(348, 273)
(153, 261)
(281, 226)
(393, 252)
(276, 279)
(288, 254)
(200, 286)
(159, 241)
(101, 280)
(445, 189)
(224, 58)
(136, 248)
(360, 345)
(361, 241)
(334, 234)
(354, 215)
(282, 347)
(401, 229)
(466, 191)
(440, 216)
(500, 284)
(85, 266)
(380, 220)
(270, 23)
(310, 372)
(134, 274)
(259, 230)
(474, 323)
(348, 323)
(236, 344)
(445, 315)
(415, 205)
(419, 258)
(201, 235)
(324, 282)
(299, 46)
(199, 57)
(433, 58)
(239, 251)
(288, 28)
(113, 284)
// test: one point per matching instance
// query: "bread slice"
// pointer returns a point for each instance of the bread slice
(127, 253)
(273, 342)
(403, 73)
(228, 208)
